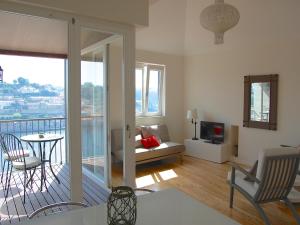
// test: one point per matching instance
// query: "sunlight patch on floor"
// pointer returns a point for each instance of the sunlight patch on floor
(144, 181)
(150, 179)
(168, 174)
(156, 178)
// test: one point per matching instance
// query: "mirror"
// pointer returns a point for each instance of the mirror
(260, 101)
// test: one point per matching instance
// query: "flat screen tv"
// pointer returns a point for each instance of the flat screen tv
(212, 132)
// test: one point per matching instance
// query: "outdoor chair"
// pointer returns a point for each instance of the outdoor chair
(19, 159)
(276, 172)
(57, 208)
(6, 158)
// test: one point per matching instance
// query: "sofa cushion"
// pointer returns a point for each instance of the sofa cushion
(150, 142)
(250, 187)
(164, 149)
(116, 139)
(160, 131)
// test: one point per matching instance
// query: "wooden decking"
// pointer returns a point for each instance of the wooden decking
(12, 209)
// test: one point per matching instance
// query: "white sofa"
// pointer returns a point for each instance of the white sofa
(166, 149)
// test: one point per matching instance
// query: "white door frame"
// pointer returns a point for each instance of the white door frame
(73, 87)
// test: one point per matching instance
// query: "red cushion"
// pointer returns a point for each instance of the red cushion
(150, 142)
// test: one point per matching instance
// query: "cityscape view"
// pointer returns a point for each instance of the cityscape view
(32, 100)
(25, 100)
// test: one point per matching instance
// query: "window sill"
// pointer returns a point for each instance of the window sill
(149, 116)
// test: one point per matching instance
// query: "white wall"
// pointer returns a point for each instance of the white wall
(165, 32)
(174, 115)
(159, 43)
(129, 11)
(174, 91)
(265, 41)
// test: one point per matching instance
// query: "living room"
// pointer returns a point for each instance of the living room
(194, 75)
(210, 78)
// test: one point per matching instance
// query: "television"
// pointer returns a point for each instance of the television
(212, 132)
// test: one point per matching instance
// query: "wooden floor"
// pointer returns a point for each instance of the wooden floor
(205, 181)
(13, 210)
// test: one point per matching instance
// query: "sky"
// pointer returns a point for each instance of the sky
(46, 70)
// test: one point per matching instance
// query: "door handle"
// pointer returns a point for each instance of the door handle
(128, 130)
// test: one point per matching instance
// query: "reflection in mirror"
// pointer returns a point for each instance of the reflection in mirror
(260, 101)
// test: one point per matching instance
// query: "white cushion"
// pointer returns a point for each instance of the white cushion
(273, 152)
(29, 161)
(15, 154)
(294, 196)
(248, 186)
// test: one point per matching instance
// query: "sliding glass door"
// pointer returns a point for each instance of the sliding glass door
(94, 106)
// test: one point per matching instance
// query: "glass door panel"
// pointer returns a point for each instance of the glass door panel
(93, 106)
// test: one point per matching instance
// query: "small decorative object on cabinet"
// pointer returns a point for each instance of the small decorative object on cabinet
(192, 116)
(121, 206)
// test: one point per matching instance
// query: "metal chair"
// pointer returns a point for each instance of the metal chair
(276, 173)
(19, 159)
(60, 206)
(6, 158)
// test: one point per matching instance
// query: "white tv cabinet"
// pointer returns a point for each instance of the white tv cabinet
(218, 153)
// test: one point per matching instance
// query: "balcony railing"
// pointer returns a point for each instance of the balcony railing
(92, 135)
(23, 127)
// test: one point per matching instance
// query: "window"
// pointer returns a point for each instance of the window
(149, 89)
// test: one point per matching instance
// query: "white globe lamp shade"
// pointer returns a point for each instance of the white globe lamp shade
(219, 18)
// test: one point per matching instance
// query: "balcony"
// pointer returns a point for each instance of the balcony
(12, 208)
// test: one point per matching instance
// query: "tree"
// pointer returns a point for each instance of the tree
(22, 81)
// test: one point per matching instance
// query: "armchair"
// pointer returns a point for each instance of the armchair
(276, 173)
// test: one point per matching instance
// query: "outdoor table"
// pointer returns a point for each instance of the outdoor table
(42, 139)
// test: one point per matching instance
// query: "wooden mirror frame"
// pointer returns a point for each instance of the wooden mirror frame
(248, 80)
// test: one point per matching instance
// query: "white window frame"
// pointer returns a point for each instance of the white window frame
(146, 68)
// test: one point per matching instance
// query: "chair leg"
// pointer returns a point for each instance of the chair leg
(25, 176)
(261, 213)
(293, 209)
(3, 168)
(31, 177)
(7, 183)
(6, 177)
(231, 196)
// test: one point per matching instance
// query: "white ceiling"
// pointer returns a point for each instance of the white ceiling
(174, 26)
(27, 33)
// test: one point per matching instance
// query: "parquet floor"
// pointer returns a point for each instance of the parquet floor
(205, 181)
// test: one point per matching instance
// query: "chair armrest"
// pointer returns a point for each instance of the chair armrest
(238, 167)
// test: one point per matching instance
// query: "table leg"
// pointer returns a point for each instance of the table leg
(51, 150)
(43, 171)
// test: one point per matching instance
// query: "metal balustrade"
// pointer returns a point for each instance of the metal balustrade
(92, 135)
(21, 127)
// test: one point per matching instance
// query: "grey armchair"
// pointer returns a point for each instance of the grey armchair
(276, 173)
